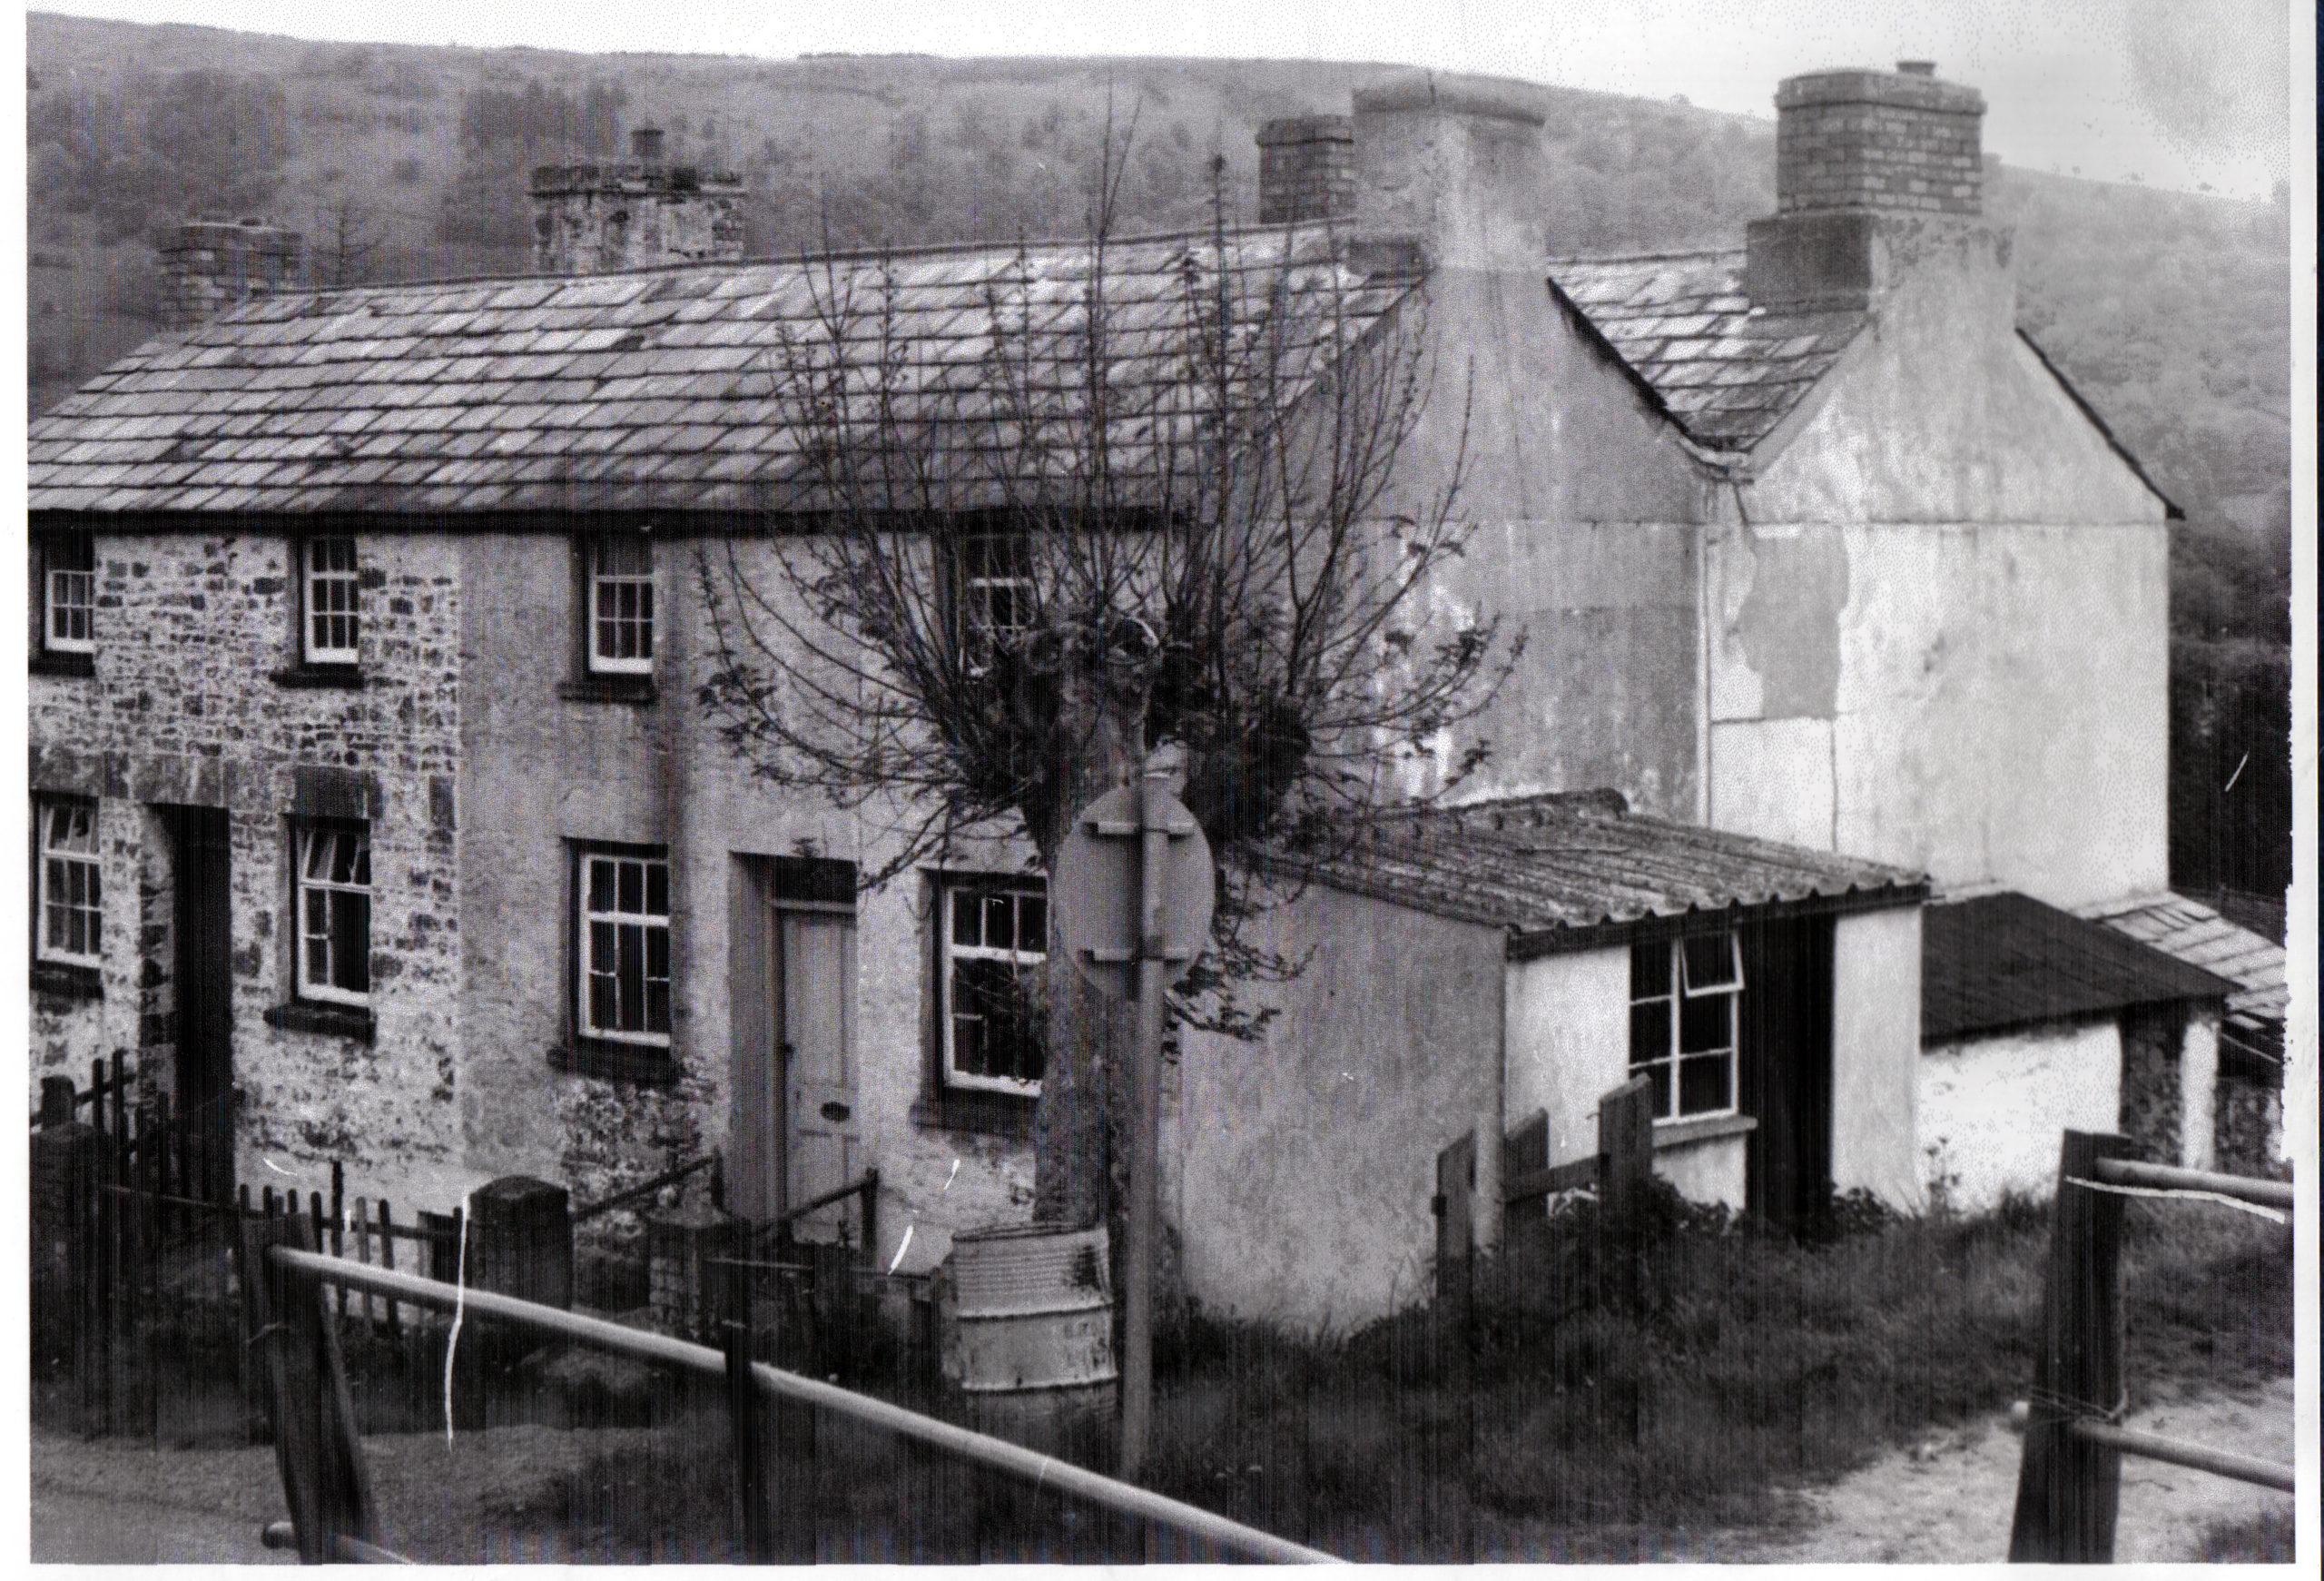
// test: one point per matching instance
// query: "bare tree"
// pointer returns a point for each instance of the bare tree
(1140, 507)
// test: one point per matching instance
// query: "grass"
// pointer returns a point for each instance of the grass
(2265, 1538)
(1544, 1424)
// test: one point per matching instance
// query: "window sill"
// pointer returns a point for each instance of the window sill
(67, 981)
(611, 1062)
(345, 677)
(345, 1021)
(1709, 1128)
(64, 663)
(1000, 1114)
(635, 690)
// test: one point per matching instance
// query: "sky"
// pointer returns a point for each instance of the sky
(2182, 93)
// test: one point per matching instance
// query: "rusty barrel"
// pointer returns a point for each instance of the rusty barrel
(1029, 1338)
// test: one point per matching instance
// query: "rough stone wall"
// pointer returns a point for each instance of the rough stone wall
(184, 709)
(2246, 1116)
(207, 266)
(1880, 141)
(2151, 1097)
(591, 219)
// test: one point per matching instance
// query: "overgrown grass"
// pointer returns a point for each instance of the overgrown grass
(2264, 1538)
(1754, 1364)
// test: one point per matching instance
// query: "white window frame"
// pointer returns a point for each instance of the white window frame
(318, 898)
(69, 594)
(980, 587)
(606, 619)
(618, 917)
(330, 601)
(66, 830)
(1672, 1059)
(951, 892)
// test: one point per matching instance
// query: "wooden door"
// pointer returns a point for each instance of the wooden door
(1785, 1079)
(814, 973)
(202, 922)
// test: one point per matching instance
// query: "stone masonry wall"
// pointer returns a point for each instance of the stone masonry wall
(1307, 169)
(185, 708)
(2151, 1101)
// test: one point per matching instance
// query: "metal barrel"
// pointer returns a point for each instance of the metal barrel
(1029, 1337)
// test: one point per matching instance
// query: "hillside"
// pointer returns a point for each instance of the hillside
(2170, 311)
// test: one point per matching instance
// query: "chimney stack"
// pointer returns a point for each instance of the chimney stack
(1307, 169)
(589, 219)
(1870, 167)
(1450, 173)
(209, 265)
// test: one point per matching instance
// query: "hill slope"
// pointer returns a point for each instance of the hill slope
(2170, 311)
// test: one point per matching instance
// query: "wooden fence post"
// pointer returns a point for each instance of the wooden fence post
(2068, 1490)
(1625, 1166)
(743, 1411)
(287, 1321)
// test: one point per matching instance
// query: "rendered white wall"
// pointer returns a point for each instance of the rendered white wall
(1569, 1042)
(1875, 1046)
(1991, 1109)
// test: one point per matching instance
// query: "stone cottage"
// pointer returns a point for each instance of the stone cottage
(368, 778)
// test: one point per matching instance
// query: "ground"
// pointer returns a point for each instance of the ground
(1945, 1501)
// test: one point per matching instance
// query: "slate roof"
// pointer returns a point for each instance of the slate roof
(1995, 962)
(1726, 370)
(657, 389)
(1572, 871)
(2193, 933)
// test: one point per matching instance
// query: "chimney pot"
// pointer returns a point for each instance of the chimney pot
(646, 144)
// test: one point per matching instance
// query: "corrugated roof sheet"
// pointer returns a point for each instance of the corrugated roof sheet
(1540, 865)
(1998, 961)
(667, 389)
(2193, 933)
(1727, 371)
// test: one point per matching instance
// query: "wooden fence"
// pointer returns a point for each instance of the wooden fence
(288, 1327)
(2069, 1481)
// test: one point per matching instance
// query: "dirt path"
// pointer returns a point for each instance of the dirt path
(1948, 1500)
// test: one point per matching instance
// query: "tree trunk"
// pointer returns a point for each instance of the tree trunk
(1080, 1140)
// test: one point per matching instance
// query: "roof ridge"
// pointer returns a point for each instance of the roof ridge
(843, 255)
(1671, 256)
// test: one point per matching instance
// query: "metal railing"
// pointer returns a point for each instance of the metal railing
(323, 1465)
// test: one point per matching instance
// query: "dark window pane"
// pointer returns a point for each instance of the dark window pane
(350, 943)
(631, 895)
(657, 1006)
(1032, 923)
(657, 889)
(631, 975)
(967, 912)
(1000, 923)
(1649, 1031)
(1710, 961)
(318, 959)
(657, 954)
(1660, 1075)
(601, 947)
(601, 885)
(1703, 1084)
(1705, 1023)
(967, 1045)
(1649, 970)
(602, 1010)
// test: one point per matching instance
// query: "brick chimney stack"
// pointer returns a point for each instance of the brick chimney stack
(1872, 169)
(588, 218)
(209, 265)
(1307, 169)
